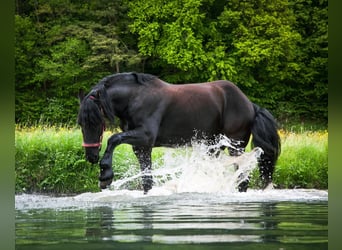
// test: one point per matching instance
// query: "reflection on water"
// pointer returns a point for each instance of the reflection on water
(181, 221)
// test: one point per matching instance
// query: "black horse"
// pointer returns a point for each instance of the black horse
(154, 113)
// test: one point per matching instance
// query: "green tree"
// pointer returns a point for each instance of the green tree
(171, 32)
(78, 43)
(307, 90)
(249, 42)
(259, 45)
(264, 45)
(27, 102)
(274, 50)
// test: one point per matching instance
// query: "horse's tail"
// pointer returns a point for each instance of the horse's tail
(265, 136)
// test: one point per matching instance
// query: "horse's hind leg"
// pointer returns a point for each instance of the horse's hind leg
(236, 151)
(266, 171)
(144, 157)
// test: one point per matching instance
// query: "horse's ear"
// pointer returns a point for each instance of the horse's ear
(81, 94)
(142, 77)
(137, 77)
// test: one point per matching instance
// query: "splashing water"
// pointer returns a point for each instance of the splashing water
(200, 168)
(186, 175)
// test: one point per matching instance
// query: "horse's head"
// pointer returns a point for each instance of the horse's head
(92, 123)
(99, 104)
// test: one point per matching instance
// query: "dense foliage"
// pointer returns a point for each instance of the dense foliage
(276, 51)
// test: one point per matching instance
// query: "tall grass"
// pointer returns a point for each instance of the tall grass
(303, 161)
(51, 159)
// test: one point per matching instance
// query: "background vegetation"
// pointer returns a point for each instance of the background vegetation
(51, 160)
(276, 51)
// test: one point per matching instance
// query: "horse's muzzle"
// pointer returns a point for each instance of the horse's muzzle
(92, 158)
(92, 154)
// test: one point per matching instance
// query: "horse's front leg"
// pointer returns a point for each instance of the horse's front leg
(136, 137)
(144, 157)
(106, 171)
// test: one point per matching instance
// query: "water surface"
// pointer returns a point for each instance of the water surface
(274, 219)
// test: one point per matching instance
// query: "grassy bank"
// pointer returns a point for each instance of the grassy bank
(303, 161)
(51, 159)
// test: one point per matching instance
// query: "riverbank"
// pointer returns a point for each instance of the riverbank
(51, 160)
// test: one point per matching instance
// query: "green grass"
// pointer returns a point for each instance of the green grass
(51, 159)
(304, 160)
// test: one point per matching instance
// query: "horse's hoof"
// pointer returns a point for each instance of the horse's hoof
(243, 186)
(105, 184)
(147, 188)
(105, 178)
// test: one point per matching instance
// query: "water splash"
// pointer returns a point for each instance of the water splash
(185, 176)
(201, 168)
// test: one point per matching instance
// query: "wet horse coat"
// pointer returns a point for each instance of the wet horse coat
(155, 113)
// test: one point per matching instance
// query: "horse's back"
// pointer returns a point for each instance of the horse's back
(235, 110)
(191, 109)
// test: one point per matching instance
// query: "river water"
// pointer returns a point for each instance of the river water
(193, 205)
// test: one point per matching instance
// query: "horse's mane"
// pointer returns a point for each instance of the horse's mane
(94, 106)
(97, 102)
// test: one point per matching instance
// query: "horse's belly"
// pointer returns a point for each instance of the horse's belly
(194, 114)
(182, 134)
